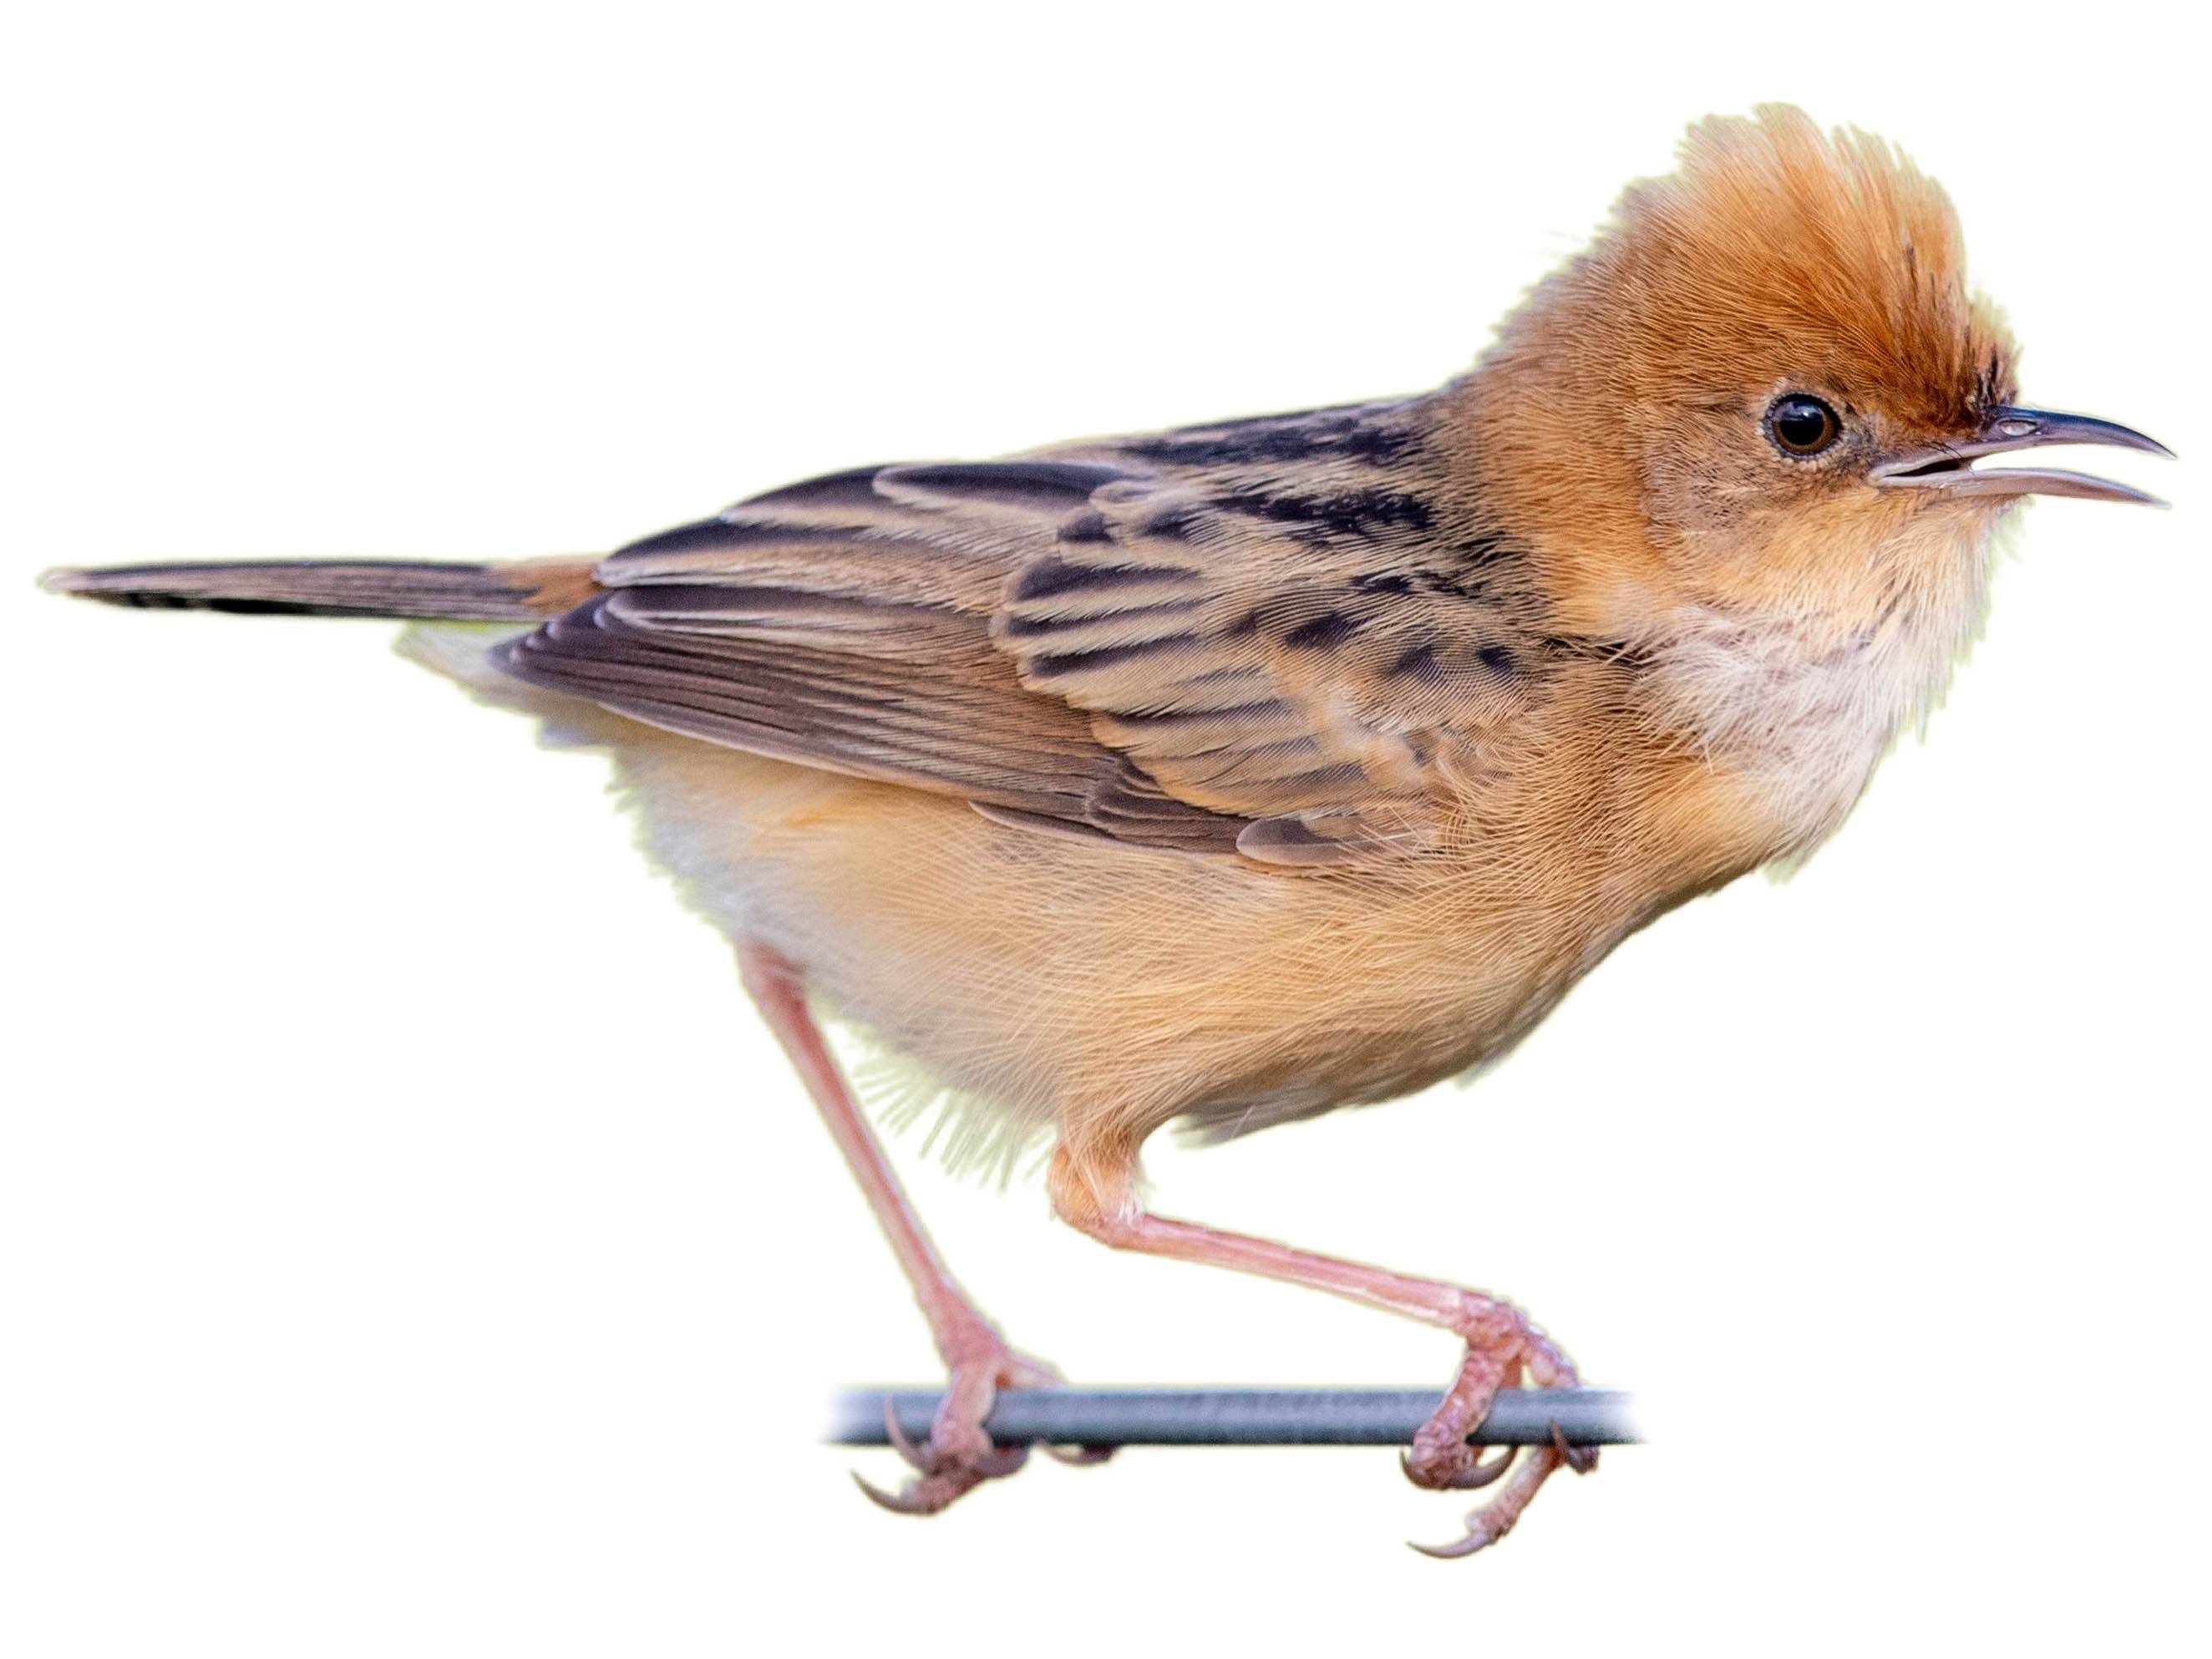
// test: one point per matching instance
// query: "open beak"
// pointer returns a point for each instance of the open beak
(1948, 467)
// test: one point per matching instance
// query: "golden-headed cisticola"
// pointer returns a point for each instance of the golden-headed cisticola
(1234, 772)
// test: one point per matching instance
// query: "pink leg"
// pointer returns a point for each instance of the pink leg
(960, 1455)
(1096, 1195)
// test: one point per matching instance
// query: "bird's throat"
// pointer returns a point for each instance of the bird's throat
(1799, 707)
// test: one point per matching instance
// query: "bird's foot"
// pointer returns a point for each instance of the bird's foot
(960, 1455)
(1501, 1345)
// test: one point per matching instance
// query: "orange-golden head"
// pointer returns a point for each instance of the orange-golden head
(1760, 390)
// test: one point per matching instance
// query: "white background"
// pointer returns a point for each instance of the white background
(409, 1242)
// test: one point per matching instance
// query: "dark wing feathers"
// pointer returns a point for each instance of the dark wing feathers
(1251, 637)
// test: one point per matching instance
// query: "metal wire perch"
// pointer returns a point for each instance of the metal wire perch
(1239, 1416)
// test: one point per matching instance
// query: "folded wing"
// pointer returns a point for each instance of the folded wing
(1262, 638)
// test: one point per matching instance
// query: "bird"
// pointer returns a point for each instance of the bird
(1230, 774)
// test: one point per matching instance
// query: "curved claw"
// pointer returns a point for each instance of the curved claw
(1080, 1457)
(900, 1442)
(1470, 1477)
(915, 1500)
(1478, 1537)
(1581, 1459)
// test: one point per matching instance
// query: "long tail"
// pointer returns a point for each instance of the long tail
(521, 592)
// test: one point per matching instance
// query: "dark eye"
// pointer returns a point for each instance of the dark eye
(1802, 425)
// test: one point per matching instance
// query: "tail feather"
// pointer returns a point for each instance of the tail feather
(425, 591)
